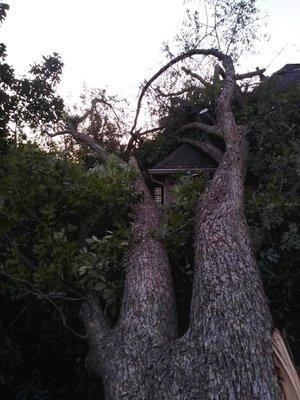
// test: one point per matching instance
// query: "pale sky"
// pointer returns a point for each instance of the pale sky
(117, 43)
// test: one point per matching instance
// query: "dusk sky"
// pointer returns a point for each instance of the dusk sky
(117, 44)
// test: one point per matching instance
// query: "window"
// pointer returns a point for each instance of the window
(158, 195)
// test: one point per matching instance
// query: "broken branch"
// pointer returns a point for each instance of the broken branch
(211, 129)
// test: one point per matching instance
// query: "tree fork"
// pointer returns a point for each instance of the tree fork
(227, 351)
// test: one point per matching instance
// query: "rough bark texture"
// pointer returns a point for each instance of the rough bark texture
(230, 315)
(226, 352)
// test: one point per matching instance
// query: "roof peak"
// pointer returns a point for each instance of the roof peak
(185, 157)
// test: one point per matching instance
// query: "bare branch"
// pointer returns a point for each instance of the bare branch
(213, 151)
(93, 106)
(206, 52)
(136, 135)
(64, 132)
(258, 72)
(196, 76)
(72, 129)
(172, 94)
(38, 293)
(152, 130)
(91, 143)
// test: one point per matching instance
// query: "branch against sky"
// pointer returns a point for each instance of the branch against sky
(233, 27)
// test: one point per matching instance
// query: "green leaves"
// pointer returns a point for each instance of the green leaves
(63, 226)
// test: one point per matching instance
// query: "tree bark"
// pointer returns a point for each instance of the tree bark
(227, 351)
(230, 315)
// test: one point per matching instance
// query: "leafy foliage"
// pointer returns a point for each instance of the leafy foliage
(61, 225)
(273, 198)
(27, 101)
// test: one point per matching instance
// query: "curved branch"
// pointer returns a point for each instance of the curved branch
(211, 129)
(172, 94)
(206, 52)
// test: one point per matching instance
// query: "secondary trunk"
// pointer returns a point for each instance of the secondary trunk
(226, 352)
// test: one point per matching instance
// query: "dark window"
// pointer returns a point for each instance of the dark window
(158, 195)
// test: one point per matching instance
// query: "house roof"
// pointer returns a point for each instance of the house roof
(286, 76)
(185, 157)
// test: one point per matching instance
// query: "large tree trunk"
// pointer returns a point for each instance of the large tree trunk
(230, 315)
(226, 352)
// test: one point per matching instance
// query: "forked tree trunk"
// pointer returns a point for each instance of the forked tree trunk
(226, 352)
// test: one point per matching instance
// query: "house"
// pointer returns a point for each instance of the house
(187, 159)
(287, 76)
(283, 79)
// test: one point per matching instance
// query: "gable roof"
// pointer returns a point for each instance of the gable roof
(289, 68)
(285, 77)
(185, 157)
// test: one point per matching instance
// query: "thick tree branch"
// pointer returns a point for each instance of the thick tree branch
(210, 149)
(258, 72)
(148, 307)
(152, 130)
(172, 94)
(72, 129)
(218, 71)
(91, 143)
(211, 129)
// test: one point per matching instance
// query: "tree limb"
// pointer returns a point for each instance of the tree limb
(259, 72)
(211, 129)
(93, 106)
(63, 132)
(220, 71)
(148, 308)
(172, 94)
(91, 143)
(31, 289)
